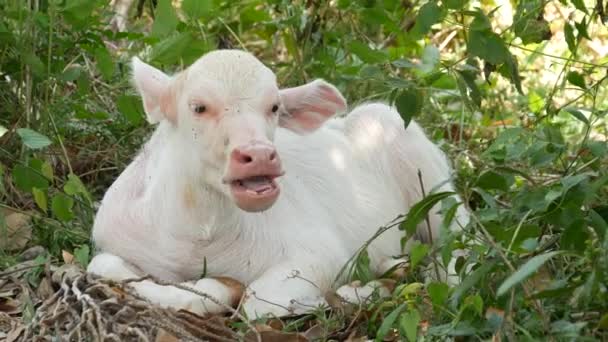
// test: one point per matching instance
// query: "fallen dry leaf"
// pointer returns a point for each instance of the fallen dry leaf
(68, 258)
(315, 332)
(17, 230)
(164, 336)
(32, 253)
(45, 289)
(354, 338)
(14, 334)
(276, 336)
(10, 306)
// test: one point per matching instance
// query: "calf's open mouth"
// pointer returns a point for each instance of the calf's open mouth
(260, 185)
(254, 193)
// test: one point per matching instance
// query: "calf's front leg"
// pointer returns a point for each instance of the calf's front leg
(288, 288)
(226, 291)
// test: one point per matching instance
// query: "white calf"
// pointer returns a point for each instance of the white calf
(210, 187)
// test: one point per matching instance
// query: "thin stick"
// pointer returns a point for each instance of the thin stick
(428, 227)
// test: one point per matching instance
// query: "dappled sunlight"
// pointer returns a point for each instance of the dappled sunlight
(337, 157)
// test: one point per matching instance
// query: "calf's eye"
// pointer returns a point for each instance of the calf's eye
(275, 108)
(199, 109)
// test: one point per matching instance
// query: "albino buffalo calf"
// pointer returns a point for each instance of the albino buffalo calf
(260, 184)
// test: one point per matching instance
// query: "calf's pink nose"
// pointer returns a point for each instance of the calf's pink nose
(254, 154)
(254, 160)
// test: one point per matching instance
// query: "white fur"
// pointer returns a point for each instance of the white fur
(343, 181)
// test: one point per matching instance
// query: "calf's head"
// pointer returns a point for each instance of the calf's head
(223, 111)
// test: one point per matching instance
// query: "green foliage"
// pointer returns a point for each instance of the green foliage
(520, 106)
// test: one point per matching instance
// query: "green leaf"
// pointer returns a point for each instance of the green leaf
(455, 4)
(104, 62)
(534, 31)
(33, 139)
(570, 40)
(70, 74)
(474, 302)
(196, 9)
(535, 102)
(528, 23)
(40, 199)
(367, 54)
(409, 104)
(35, 63)
(580, 5)
(3, 130)
(419, 211)
(582, 29)
(468, 78)
(166, 21)
(82, 255)
(430, 58)
(438, 293)
(409, 324)
(62, 205)
(130, 107)
(26, 178)
(488, 46)
(171, 50)
(47, 170)
(480, 22)
(577, 114)
(429, 15)
(492, 180)
(74, 186)
(78, 11)
(513, 71)
(417, 253)
(388, 322)
(363, 271)
(576, 79)
(525, 271)
(472, 279)
(378, 16)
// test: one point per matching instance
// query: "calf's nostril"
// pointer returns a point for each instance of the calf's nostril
(273, 156)
(247, 159)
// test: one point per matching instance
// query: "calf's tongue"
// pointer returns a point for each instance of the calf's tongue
(258, 183)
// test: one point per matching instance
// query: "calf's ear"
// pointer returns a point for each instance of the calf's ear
(154, 87)
(310, 105)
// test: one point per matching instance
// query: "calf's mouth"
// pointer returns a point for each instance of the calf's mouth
(254, 193)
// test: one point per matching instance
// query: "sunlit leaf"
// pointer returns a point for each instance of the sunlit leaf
(104, 62)
(409, 104)
(419, 211)
(131, 108)
(417, 253)
(408, 323)
(576, 79)
(429, 14)
(40, 199)
(388, 322)
(62, 205)
(166, 20)
(526, 270)
(367, 54)
(438, 293)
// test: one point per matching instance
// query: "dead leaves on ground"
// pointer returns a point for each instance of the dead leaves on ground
(15, 230)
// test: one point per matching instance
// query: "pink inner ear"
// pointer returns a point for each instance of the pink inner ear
(310, 106)
(304, 121)
(167, 106)
(329, 94)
